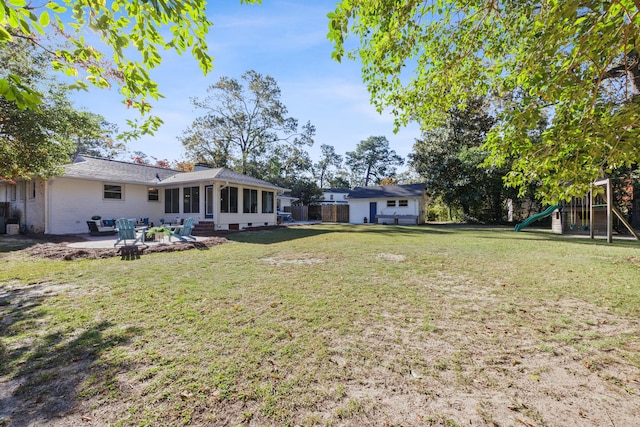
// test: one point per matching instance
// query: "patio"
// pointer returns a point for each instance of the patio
(106, 242)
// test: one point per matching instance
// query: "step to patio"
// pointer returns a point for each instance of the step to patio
(203, 228)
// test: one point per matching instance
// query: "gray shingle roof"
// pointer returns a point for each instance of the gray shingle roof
(218, 174)
(94, 168)
(387, 191)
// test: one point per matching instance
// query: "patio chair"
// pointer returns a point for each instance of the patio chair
(127, 231)
(183, 232)
(94, 230)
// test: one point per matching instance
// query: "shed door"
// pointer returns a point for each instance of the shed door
(373, 209)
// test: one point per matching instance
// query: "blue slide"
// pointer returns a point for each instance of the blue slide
(536, 217)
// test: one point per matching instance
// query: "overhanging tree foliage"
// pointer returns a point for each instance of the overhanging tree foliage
(449, 160)
(39, 142)
(575, 62)
(244, 125)
(134, 33)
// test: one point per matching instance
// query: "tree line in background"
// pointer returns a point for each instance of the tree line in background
(542, 96)
(246, 127)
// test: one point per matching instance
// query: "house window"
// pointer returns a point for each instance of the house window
(267, 202)
(249, 201)
(172, 200)
(229, 200)
(391, 203)
(112, 191)
(403, 203)
(191, 200)
(331, 197)
(32, 189)
(14, 192)
(21, 190)
(153, 195)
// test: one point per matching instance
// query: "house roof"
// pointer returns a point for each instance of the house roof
(218, 174)
(94, 168)
(387, 191)
(335, 190)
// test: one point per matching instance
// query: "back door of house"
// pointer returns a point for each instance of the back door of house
(208, 201)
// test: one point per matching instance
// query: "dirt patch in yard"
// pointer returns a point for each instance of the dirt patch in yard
(57, 247)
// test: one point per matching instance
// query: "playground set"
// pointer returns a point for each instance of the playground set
(591, 215)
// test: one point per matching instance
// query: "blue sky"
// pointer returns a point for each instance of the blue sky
(284, 39)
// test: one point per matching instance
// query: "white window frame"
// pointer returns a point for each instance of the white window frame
(157, 194)
(403, 203)
(391, 203)
(105, 191)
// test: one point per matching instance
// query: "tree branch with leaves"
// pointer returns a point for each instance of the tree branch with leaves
(573, 62)
(133, 33)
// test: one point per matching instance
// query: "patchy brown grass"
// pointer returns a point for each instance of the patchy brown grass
(328, 325)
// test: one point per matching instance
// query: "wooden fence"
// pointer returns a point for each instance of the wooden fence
(300, 213)
(326, 213)
(335, 213)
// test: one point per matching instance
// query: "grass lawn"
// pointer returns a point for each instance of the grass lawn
(328, 325)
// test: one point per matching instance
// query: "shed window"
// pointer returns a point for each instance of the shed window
(391, 203)
(112, 191)
(403, 203)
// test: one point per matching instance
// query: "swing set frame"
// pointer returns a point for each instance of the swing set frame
(611, 210)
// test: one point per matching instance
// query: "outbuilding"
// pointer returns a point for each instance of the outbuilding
(388, 204)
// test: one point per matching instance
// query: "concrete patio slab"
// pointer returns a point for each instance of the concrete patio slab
(107, 242)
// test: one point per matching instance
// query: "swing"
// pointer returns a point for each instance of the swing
(584, 227)
(572, 216)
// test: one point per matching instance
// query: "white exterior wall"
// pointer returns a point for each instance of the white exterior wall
(330, 198)
(284, 204)
(359, 209)
(35, 215)
(243, 220)
(30, 205)
(72, 202)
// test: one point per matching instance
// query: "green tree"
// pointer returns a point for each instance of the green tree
(134, 33)
(306, 191)
(286, 164)
(449, 160)
(373, 160)
(575, 62)
(39, 142)
(243, 125)
(100, 141)
(340, 180)
(329, 158)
